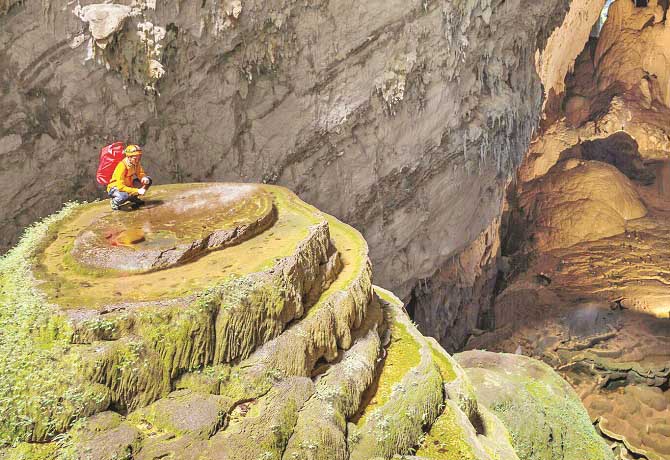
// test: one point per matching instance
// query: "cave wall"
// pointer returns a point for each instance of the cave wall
(404, 119)
(566, 42)
(457, 299)
(620, 84)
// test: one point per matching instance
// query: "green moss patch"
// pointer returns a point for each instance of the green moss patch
(402, 354)
(26, 451)
(38, 374)
(320, 432)
(407, 398)
(446, 439)
(263, 428)
(544, 417)
(184, 412)
(130, 357)
(443, 364)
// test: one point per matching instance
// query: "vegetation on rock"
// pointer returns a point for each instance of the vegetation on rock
(277, 347)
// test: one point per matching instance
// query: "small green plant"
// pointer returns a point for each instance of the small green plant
(39, 393)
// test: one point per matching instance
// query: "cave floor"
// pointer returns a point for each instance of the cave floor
(599, 313)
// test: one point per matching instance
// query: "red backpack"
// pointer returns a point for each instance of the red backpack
(110, 156)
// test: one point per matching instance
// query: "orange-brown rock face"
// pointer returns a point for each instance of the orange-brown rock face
(588, 287)
(579, 201)
(633, 51)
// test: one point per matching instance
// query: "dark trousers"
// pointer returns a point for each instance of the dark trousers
(120, 198)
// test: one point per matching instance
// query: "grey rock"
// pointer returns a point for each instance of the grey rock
(404, 119)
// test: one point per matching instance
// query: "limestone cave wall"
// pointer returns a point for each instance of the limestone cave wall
(585, 286)
(405, 119)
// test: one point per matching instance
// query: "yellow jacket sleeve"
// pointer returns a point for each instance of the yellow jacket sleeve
(118, 179)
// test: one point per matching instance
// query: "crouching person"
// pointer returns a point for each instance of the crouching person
(129, 180)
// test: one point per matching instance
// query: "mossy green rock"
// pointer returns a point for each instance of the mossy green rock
(544, 416)
(266, 341)
(87, 338)
(105, 436)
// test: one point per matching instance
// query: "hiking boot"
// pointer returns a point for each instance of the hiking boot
(115, 206)
(136, 203)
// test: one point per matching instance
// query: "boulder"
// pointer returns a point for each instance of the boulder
(579, 201)
(529, 397)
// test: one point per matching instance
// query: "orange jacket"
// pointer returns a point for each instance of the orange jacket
(123, 177)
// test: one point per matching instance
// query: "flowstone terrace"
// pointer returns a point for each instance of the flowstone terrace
(234, 321)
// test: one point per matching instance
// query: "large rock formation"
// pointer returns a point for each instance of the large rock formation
(403, 119)
(273, 346)
(578, 201)
(537, 406)
(586, 284)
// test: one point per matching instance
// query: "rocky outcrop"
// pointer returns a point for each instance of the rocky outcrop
(278, 347)
(597, 312)
(526, 395)
(577, 201)
(586, 232)
(632, 51)
(566, 42)
(403, 119)
(104, 20)
(619, 85)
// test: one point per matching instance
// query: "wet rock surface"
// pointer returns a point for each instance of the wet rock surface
(174, 226)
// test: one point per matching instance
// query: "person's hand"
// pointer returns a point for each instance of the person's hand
(145, 180)
(141, 191)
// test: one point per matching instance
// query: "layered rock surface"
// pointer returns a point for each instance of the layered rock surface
(586, 286)
(578, 201)
(410, 117)
(276, 347)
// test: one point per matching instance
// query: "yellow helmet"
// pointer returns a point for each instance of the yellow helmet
(132, 150)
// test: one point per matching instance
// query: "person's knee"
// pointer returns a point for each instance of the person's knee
(120, 197)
